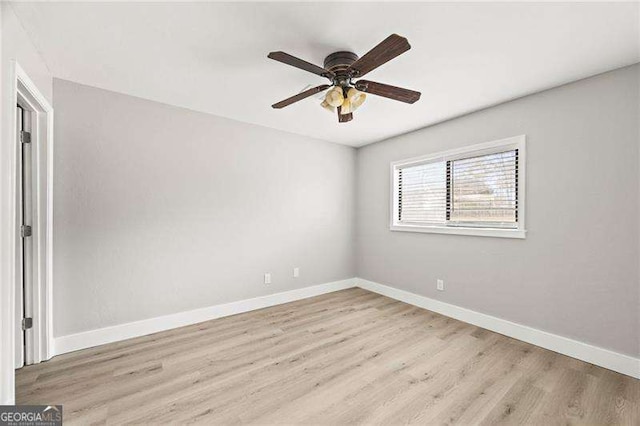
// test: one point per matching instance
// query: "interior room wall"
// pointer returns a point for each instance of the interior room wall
(160, 210)
(576, 273)
(15, 46)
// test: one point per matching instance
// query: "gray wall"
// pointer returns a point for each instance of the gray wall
(161, 210)
(576, 274)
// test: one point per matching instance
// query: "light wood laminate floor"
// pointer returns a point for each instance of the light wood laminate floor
(349, 357)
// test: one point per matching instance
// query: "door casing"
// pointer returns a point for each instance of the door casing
(22, 90)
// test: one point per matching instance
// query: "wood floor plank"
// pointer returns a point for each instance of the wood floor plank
(348, 357)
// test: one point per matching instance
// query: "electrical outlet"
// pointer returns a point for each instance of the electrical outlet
(296, 272)
(440, 285)
(267, 278)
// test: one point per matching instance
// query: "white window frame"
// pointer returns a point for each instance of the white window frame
(508, 144)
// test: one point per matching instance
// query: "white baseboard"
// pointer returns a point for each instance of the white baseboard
(603, 357)
(91, 338)
(595, 355)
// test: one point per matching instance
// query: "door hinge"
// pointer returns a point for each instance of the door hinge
(25, 137)
(25, 231)
(27, 323)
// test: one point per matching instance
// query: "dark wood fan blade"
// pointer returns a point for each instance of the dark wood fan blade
(391, 92)
(301, 96)
(285, 58)
(343, 118)
(389, 48)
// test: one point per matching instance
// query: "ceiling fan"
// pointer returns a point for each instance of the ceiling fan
(341, 68)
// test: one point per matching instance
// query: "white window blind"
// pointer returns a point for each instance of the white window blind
(423, 193)
(484, 189)
(472, 188)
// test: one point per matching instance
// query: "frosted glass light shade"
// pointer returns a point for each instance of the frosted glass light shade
(346, 106)
(356, 98)
(335, 97)
(328, 107)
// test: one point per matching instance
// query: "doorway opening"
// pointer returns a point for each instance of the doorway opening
(24, 287)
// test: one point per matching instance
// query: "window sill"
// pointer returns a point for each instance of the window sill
(458, 230)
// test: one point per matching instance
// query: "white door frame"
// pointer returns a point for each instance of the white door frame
(24, 92)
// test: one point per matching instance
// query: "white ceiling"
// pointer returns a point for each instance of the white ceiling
(212, 57)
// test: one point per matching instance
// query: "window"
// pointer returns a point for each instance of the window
(477, 190)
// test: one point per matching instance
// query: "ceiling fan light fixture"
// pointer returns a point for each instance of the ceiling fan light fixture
(346, 107)
(356, 98)
(335, 97)
(328, 107)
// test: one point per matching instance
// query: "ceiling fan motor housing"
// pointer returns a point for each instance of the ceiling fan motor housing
(338, 63)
